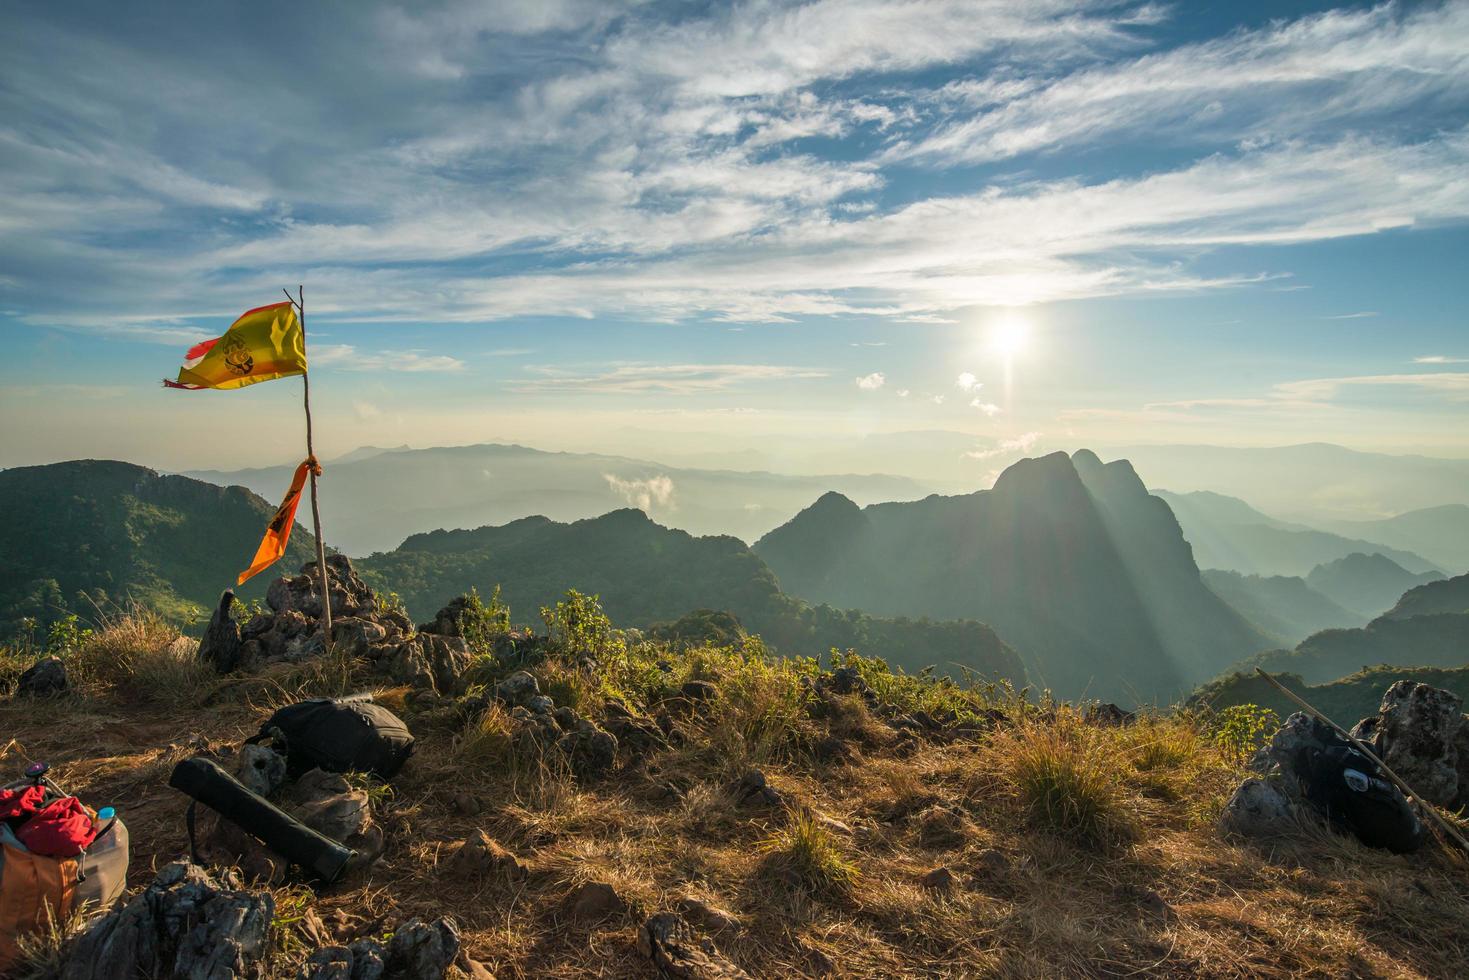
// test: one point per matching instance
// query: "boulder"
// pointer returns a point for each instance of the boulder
(1417, 731)
(356, 635)
(448, 621)
(677, 950)
(753, 788)
(590, 750)
(220, 646)
(417, 951)
(43, 678)
(1258, 808)
(429, 661)
(940, 879)
(184, 925)
(518, 688)
(261, 769)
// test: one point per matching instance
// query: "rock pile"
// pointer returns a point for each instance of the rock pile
(43, 678)
(1420, 731)
(186, 924)
(417, 951)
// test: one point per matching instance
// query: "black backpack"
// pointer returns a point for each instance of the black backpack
(339, 735)
(1350, 789)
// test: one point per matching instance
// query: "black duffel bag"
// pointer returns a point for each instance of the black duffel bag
(339, 735)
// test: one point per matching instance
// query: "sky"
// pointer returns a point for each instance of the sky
(739, 231)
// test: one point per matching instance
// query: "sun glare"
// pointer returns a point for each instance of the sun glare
(1009, 336)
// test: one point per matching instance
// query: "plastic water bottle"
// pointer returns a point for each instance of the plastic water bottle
(104, 865)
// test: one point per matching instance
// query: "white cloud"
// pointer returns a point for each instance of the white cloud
(936, 399)
(655, 491)
(903, 392)
(968, 382)
(680, 379)
(365, 410)
(1453, 384)
(1353, 316)
(1005, 447)
(872, 382)
(990, 409)
(1440, 359)
(348, 358)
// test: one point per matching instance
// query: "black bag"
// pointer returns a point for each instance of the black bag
(339, 735)
(1350, 789)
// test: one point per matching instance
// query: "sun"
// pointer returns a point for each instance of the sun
(1008, 337)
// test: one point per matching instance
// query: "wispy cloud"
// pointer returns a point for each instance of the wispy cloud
(1007, 447)
(990, 409)
(1453, 384)
(1440, 359)
(644, 494)
(679, 379)
(872, 382)
(347, 357)
(1352, 316)
(667, 170)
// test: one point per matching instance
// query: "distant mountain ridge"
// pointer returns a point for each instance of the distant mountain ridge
(1072, 561)
(1440, 534)
(1282, 606)
(373, 499)
(646, 574)
(118, 531)
(1228, 533)
(1369, 584)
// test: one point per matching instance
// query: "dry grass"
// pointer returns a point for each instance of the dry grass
(1077, 850)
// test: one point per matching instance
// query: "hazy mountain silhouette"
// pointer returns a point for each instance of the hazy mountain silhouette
(1449, 595)
(372, 499)
(1368, 584)
(646, 573)
(1282, 606)
(1440, 534)
(118, 531)
(1311, 482)
(1428, 627)
(1073, 562)
(1228, 533)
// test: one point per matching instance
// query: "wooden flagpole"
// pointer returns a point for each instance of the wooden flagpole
(326, 595)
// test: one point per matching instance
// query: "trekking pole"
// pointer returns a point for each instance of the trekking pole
(1367, 751)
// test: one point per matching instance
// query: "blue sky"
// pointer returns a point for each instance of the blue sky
(688, 229)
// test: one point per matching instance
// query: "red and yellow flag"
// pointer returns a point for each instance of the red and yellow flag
(278, 531)
(264, 344)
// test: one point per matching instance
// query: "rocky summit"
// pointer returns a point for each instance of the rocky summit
(582, 800)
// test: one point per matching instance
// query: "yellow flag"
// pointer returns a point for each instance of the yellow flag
(264, 344)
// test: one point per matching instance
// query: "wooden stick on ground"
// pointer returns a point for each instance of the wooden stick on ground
(1366, 750)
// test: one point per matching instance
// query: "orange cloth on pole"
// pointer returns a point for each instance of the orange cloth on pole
(278, 532)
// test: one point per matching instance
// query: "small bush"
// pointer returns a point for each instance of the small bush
(1241, 729)
(807, 853)
(1067, 781)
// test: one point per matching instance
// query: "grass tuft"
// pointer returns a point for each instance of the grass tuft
(807, 854)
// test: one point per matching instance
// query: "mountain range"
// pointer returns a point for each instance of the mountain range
(1283, 606)
(372, 499)
(1228, 533)
(1071, 560)
(646, 575)
(86, 533)
(1367, 584)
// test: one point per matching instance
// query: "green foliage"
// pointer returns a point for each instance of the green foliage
(1066, 777)
(808, 853)
(577, 626)
(481, 622)
(1241, 729)
(66, 635)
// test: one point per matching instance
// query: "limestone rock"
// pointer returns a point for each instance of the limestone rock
(261, 769)
(1416, 732)
(356, 635)
(590, 750)
(518, 688)
(429, 661)
(184, 925)
(220, 647)
(43, 678)
(422, 951)
(1258, 808)
(677, 950)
